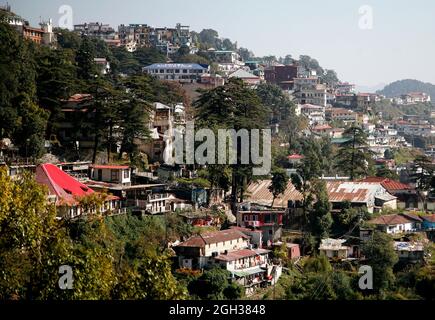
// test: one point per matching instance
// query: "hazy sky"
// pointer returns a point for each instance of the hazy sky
(400, 44)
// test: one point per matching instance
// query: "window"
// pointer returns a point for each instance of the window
(184, 70)
(126, 174)
(114, 175)
(162, 71)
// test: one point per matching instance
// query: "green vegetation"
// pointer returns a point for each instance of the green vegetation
(279, 183)
(391, 111)
(215, 284)
(232, 106)
(354, 157)
(36, 81)
(400, 87)
(111, 257)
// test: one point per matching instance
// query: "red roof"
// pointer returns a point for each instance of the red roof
(59, 183)
(387, 183)
(109, 167)
(295, 157)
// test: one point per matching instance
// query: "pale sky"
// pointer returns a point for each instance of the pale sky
(399, 45)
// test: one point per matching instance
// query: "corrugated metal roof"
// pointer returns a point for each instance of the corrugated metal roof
(387, 183)
(360, 192)
(258, 192)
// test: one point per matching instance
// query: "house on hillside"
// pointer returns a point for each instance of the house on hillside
(258, 193)
(198, 251)
(409, 251)
(407, 197)
(246, 77)
(371, 196)
(396, 223)
(111, 173)
(181, 72)
(334, 248)
(232, 250)
(428, 222)
(269, 222)
(67, 192)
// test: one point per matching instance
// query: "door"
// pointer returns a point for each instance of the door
(100, 174)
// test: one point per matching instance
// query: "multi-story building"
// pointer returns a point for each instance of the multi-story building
(282, 76)
(77, 109)
(43, 35)
(163, 120)
(182, 72)
(33, 34)
(344, 88)
(415, 97)
(314, 113)
(97, 30)
(405, 128)
(304, 82)
(316, 95)
(135, 33)
(232, 250)
(268, 221)
(361, 101)
(66, 192)
(341, 114)
(371, 196)
(111, 173)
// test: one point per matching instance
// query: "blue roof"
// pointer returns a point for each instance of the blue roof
(176, 66)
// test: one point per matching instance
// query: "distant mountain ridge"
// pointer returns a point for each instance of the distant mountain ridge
(405, 86)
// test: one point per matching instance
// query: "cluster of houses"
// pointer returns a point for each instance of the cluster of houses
(411, 98)
(42, 35)
(134, 36)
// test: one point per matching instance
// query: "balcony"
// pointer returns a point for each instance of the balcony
(158, 196)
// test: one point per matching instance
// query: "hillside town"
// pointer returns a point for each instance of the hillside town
(352, 182)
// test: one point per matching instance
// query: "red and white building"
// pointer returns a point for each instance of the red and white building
(67, 193)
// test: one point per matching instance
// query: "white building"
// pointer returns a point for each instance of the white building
(395, 223)
(103, 65)
(334, 248)
(111, 173)
(314, 113)
(182, 72)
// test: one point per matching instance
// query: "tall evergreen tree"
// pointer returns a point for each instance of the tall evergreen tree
(354, 156)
